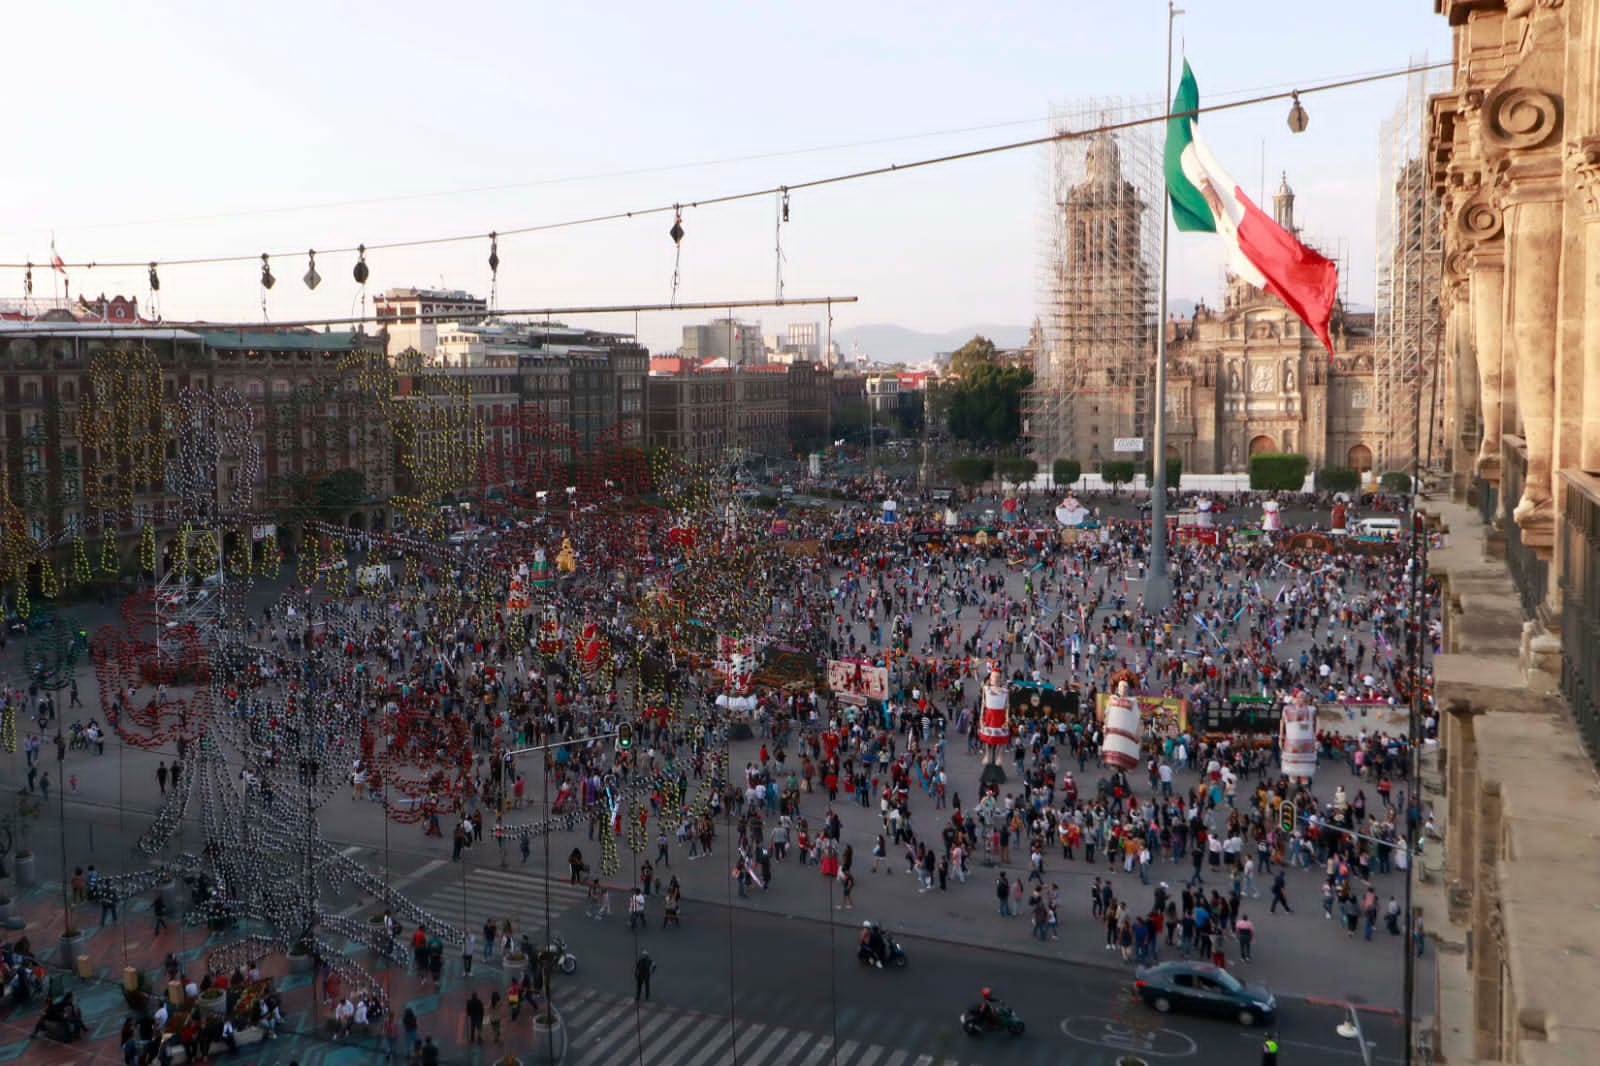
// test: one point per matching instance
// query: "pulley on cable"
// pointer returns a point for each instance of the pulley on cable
(494, 270)
(676, 233)
(155, 290)
(311, 277)
(267, 282)
(361, 273)
(27, 280)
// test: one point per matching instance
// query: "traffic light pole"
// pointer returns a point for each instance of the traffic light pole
(568, 743)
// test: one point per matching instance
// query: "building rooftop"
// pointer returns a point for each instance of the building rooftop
(284, 341)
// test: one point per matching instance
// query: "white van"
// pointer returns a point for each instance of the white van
(1390, 528)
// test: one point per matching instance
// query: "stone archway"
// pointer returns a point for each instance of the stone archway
(1262, 443)
(356, 521)
(1359, 458)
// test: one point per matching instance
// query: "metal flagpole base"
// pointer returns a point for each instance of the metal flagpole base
(1157, 591)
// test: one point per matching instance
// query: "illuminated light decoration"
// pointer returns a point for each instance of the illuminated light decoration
(147, 548)
(109, 562)
(81, 572)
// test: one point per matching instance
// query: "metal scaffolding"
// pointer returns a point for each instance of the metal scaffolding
(1408, 328)
(1098, 286)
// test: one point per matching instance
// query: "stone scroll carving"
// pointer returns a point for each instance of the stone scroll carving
(1479, 218)
(1521, 117)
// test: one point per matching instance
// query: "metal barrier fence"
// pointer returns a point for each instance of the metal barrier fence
(1529, 573)
(1579, 545)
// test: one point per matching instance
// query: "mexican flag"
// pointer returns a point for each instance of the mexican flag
(1206, 200)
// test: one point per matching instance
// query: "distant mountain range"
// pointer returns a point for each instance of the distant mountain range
(897, 344)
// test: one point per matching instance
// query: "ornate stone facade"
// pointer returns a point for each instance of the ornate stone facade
(1514, 153)
(1251, 377)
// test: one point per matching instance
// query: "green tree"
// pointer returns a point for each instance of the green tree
(1395, 481)
(292, 498)
(1066, 471)
(1018, 469)
(1117, 472)
(986, 405)
(336, 494)
(970, 470)
(979, 351)
(1278, 471)
(1174, 472)
(1338, 479)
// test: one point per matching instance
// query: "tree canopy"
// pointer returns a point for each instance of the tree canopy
(1066, 471)
(986, 404)
(1278, 471)
(979, 351)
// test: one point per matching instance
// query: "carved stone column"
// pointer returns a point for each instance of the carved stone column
(1486, 284)
(1533, 255)
(1521, 123)
(1585, 160)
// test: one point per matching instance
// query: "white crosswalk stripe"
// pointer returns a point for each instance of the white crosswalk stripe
(485, 893)
(607, 1029)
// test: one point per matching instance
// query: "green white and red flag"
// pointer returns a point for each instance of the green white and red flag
(1206, 200)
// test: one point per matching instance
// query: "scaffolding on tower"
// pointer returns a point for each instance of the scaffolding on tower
(1094, 367)
(1411, 392)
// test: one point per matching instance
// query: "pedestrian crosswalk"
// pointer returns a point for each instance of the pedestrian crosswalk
(479, 893)
(606, 1029)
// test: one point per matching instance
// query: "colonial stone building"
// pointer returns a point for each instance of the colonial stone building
(1514, 152)
(1243, 378)
(1251, 378)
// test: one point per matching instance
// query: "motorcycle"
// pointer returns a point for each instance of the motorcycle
(893, 955)
(976, 1021)
(559, 954)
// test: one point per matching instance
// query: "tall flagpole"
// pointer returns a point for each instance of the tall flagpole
(1158, 583)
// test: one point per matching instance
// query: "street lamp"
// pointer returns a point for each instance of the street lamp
(1350, 1029)
(1298, 119)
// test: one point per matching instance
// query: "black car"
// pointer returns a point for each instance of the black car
(1200, 988)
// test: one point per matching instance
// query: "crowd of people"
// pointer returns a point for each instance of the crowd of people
(432, 694)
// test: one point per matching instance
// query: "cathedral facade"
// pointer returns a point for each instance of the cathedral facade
(1251, 377)
(1244, 378)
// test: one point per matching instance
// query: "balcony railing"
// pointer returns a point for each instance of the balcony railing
(1529, 573)
(1488, 502)
(1579, 545)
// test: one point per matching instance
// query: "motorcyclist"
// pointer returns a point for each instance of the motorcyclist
(874, 948)
(988, 1007)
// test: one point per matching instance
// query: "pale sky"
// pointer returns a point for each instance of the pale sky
(171, 130)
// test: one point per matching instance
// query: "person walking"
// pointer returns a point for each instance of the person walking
(474, 1019)
(161, 777)
(159, 910)
(468, 949)
(1278, 896)
(642, 970)
(1002, 892)
(1245, 930)
(847, 884)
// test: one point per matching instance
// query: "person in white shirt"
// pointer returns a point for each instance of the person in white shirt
(345, 1015)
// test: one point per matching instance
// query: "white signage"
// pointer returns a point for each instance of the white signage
(1127, 444)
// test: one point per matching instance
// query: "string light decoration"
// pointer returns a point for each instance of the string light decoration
(270, 726)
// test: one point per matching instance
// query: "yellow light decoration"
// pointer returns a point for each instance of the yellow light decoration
(147, 548)
(206, 559)
(180, 555)
(80, 562)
